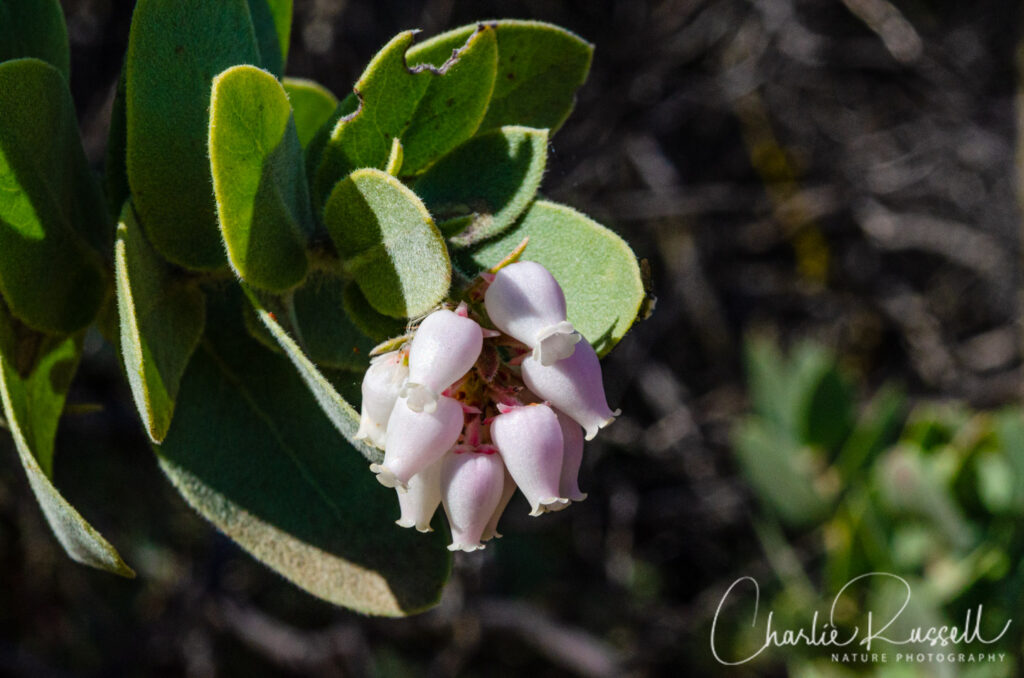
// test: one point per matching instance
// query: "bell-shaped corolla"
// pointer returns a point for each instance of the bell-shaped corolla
(419, 503)
(491, 531)
(415, 440)
(444, 348)
(572, 458)
(381, 384)
(530, 441)
(471, 487)
(526, 302)
(574, 386)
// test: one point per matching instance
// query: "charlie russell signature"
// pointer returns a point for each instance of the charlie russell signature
(828, 635)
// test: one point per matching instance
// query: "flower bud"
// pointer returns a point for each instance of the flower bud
(530, 441)
(573, 385)
(572, 458)
(415, 440)
(421, 501)
(525, 301)
(491, 531)
(444, 348)
(471, 487)
(381, 384)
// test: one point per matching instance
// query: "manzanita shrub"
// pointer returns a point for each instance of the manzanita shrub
(254, 238)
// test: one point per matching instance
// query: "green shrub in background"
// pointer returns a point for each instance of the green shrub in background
(253, 238)
(933, 493)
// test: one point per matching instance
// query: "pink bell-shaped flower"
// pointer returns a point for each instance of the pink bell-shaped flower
(574, 386)
(530, 441)
(420, 502)
(491, 531)
(525, 301)
(415, 440)
(381, 384)
(572, 458)
(471, 487)
(444, 348)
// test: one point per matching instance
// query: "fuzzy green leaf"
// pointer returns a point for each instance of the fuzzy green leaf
(175, 48)
(375, 325)
(278, 479)
(35, 29)
(32, 406)
(161, 317)
(52, 209)
(272, 21)
(258, 179)
(432, 107)
(328, 334)
(480, 189)
(312, 106)
(115, 175)
(595, 267)
(388, 243)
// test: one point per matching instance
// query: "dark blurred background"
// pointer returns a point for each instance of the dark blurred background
(838, 171)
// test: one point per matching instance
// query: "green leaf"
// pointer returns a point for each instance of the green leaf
(258, 179)
(388, 242)
(175, 48)
(485, 184)
(272, 21)
(826, 409)
(279, 480)
(52, 210)
(431, 107)
(328, 334)
(162, 317)
(375, 325)
(32, 408)
(115, 174)
(35, 29)
(312, 106)
(20, 345)
(595, 267)
(540, 67)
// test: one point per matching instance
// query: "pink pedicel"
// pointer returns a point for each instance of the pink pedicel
(573, 385)
(526, 302)
(471, 488)
(381, 385)
(415, 440)
(446, 346)
(529, 439)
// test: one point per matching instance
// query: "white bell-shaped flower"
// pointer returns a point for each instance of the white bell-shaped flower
(574, 386)
(572, 458)
(444, 348)
(491, 531)
(420, 502)
(530, 441)
(416, 440)
(381, 385)
(471, 487)
(525, 301)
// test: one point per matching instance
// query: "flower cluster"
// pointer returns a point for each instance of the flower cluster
(497, 394)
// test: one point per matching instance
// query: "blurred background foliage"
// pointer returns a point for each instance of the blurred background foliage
(825, 193)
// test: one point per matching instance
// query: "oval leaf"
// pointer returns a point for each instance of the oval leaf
(52, 208)
(595, 267)
(389, 243)
(312, 106)
(371, 323)
(485, 184)
(272, 21)
(32, 408)
(328, 335)
(175, 48)
(162, 319)
(35, 29)
(287, 487)
(258, 179)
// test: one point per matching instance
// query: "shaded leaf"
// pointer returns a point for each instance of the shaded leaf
(258, 179)
(371, 323)
(115, 174)
(388, 243)
(175, 48)
(32, 408)
(35, 29)
(161, 319)
(490, 179)
(278, 479)
(52, 210)
(595, 267)
(272, 22)
(312, 106)
(328, 335)
(826, 412)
